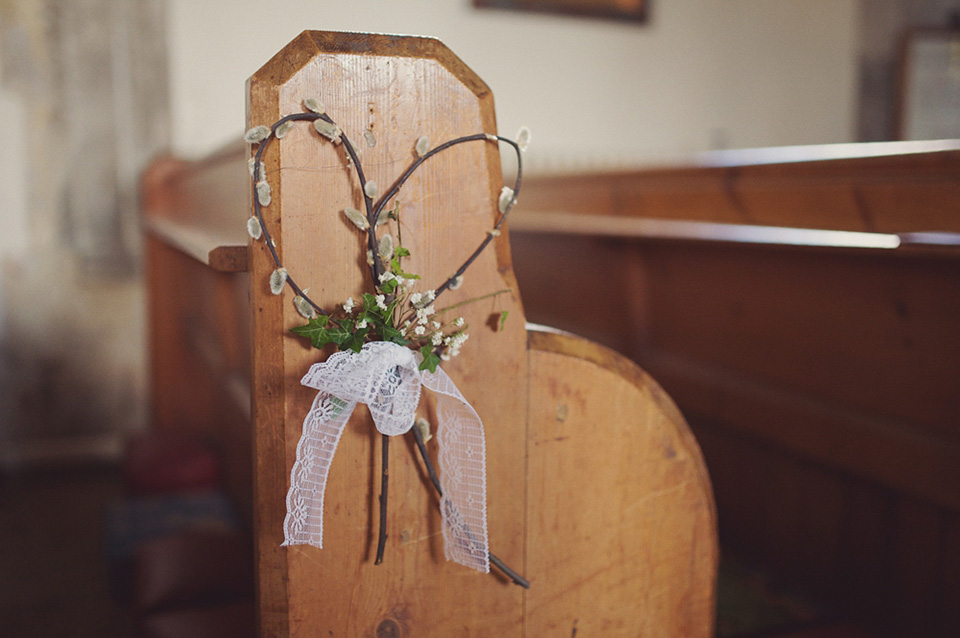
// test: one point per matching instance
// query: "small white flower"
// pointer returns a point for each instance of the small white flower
(371, 190)
(313, 104)
(359, 219)
(386, 276)
(423, 145)
(523, 138)
(283, 129)
(457, 282)
(263, 193)
(256, 134)
(459, 322)
(445, 356)
(435, 325)
(328, 129)
(348, 305)
(254, 229)
(430, 295)
(381, 302)
(361, 324)
(415, 298)
(437, 338)
(419, 330)
(278, 278)
(304, 308)
(409, 283)
(506, 199)
(385, 249)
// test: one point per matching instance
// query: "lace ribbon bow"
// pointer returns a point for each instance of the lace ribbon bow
(385, 377)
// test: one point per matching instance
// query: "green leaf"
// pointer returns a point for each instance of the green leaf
(389, 287)
(397, 270)
(430, 360)
(342, 332)
(370, 302)
(315, 330)
(356, 341)
(400, 251)
(389, 333)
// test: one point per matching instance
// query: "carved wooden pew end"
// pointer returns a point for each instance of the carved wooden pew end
(596, 491)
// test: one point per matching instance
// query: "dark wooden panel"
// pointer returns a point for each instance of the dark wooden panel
(949, 603)
(199, 359)
(889, 188)
(917, 569)
(866, 555)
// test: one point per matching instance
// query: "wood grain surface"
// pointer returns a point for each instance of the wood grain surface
(637, 548)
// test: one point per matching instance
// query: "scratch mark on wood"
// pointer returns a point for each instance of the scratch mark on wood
(306, 556)
(657, 494)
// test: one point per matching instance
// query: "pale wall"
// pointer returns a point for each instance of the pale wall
(700, 74)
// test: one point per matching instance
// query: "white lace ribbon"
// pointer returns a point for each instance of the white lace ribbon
(385, 377)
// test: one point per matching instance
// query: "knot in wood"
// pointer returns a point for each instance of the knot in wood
(388, 629)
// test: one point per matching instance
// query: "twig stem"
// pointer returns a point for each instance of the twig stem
(384, 473)
(432, 473)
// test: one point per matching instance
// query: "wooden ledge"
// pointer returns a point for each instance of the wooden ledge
(641, 228)
(203, 245)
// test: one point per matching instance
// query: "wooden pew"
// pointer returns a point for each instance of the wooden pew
(820, 370)
(596, 490)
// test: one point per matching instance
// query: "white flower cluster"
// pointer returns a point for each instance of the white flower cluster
(402, 282)
(424, 327)
(453, 344)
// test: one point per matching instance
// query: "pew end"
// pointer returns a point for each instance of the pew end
(597, 491)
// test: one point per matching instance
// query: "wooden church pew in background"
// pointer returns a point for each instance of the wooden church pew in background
(820, 370)
(596, 489)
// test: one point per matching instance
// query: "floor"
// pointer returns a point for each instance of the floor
(53, 570)
(54, 578)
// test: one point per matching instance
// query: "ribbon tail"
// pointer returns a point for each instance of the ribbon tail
(463, 475)
(322, 428)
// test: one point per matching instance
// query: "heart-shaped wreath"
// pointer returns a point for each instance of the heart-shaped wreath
(395, 314)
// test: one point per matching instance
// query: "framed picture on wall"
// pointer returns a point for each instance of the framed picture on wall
(928, 103)
(635, 10)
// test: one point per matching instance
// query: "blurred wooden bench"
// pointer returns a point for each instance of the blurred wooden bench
(802, 306)
(597, 492)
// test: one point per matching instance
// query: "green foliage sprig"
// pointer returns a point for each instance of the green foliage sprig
(397, 314)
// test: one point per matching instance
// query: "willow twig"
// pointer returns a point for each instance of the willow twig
(384, 473)
(431, 472)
